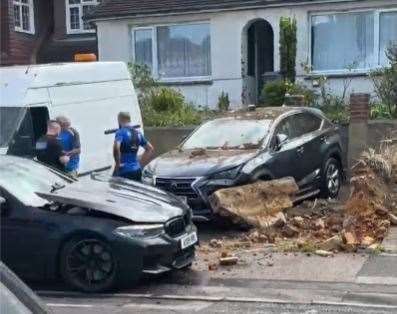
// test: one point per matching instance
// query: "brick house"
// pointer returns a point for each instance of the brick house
(43, 31)
(204, 47)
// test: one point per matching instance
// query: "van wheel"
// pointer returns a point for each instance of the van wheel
(88, 265)
(331, 180)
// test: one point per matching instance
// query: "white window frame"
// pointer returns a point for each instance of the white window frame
(376, 56)
(155, 73)
(30, 5)
(80, 5)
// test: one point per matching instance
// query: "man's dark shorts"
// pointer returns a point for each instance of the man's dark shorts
(134, 175)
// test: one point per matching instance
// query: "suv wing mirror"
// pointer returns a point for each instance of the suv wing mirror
(281, 139)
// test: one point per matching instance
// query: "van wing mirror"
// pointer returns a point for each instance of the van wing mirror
(281, 139)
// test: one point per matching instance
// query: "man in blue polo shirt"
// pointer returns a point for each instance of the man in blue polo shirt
(125, 149)
(70, 140)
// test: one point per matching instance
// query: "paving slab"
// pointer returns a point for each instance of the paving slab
(390, 242)
(380, 269)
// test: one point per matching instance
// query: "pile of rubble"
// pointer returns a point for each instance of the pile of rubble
(322, 227)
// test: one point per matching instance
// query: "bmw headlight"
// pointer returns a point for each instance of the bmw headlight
(148, 177)
(228, 174)
(140, 231)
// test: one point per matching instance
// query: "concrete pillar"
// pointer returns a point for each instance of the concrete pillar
(358, 127)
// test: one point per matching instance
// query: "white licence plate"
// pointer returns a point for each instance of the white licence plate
(188, 240)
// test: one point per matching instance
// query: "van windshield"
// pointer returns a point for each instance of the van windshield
(10, 117)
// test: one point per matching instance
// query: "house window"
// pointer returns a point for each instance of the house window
(75, 10)
(388, 34)
(24, 16)
(174, 51)
(351, 41)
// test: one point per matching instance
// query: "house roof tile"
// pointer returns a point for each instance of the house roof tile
(131, 8)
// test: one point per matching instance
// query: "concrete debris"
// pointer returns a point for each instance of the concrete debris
(298, 221)
(320, 227)
(228, 261)
(334, 243)
(290, 231)
(393, 219)
(259, 204)
(381, 211)
(323, 253)
(349, 241)
(215, 243)
(367, 241)
(319, 224)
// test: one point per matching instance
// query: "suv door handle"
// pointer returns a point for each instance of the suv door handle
(300, 150)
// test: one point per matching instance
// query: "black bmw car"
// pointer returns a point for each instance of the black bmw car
(246, 146)
(95, 233)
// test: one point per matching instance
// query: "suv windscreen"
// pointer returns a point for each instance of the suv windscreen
(10, 118)
(229, 134)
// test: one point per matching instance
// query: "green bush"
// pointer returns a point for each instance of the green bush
(165, 99)
(161, 106)
(223, 102)
(379, 111)
(167, 107)
(273, 93)
(385, 82)
(299, 89)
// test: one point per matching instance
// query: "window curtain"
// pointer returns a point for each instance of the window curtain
(342, 41)
(143, 47)
(184, 51)
(388, 34)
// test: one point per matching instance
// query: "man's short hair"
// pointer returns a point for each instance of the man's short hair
(63, 120)
(124, 115)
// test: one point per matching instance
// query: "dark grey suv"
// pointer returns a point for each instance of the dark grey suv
(253, 145)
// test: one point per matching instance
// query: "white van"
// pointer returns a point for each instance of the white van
(91, 94)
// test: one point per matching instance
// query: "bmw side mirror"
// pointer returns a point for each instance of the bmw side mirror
(281, 139)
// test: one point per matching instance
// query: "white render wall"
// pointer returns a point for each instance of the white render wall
(227, 27)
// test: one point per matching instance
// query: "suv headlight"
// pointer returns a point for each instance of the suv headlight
(148, 177)
(228, 174)
(140, 231)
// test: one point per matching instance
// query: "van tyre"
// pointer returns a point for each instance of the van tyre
(88, 264)
(331, 179)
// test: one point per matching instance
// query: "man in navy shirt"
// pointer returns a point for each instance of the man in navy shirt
(70, 140)
(49, 149)
(125, 149)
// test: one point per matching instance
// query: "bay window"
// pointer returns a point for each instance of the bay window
(174, 51)
(75, 10)
(24, 16)
(351, 41)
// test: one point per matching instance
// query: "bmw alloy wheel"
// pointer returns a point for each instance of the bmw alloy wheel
(89, 265)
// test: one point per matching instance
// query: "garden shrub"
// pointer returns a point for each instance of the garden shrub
(300, 89)
(385, 83)
(273, 93)
(223, 102)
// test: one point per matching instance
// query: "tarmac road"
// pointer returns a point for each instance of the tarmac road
(296, 283)
(124, 306)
